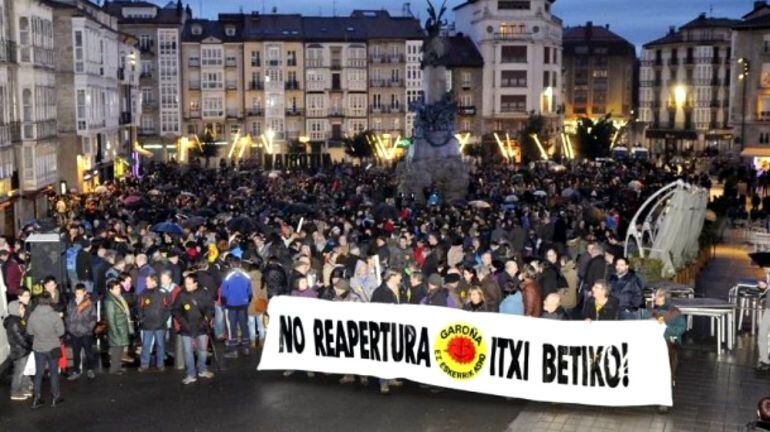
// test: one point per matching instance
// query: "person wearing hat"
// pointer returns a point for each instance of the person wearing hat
(452, 285)
(437, 294)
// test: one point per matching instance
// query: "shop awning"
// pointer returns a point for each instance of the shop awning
(756, 152)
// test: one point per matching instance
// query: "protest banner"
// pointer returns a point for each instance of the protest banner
(611, 363)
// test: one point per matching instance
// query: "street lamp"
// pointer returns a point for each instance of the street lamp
(743, 76)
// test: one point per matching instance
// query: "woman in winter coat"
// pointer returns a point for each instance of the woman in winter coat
(118, 328)
(46, 328)
(21, 345)
(365, 281)
(530, 293)
(475, 301)
(569, 295)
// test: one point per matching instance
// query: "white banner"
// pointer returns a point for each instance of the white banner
(618, 363)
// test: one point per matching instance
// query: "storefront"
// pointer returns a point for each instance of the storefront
(759, 156)
(671, 140)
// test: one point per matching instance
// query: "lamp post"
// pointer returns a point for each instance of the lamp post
(744, 77)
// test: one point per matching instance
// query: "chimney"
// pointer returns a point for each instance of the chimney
(589, 30)
(607, 26)
(671, 30)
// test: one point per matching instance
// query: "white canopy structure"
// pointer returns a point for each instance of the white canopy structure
(673, 220)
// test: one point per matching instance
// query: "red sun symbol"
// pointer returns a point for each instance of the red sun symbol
(461, 349)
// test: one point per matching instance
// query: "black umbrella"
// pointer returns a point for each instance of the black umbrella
(385, 211)
(205, 212)
(298, 208)
(194, 222)
(761, 259)
(241, 223)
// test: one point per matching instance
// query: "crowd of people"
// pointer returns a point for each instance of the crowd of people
(174, 261)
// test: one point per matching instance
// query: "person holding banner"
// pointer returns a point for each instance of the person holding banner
(476, 301)
(601, 306)
(388, 293)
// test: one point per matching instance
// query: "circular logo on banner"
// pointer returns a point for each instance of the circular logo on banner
(460, 351)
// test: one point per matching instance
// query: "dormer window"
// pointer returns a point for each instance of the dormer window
(196, 30)
(230, 31)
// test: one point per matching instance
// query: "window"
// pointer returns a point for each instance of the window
(255, 60)
(79, 52)
(764, 77)
(230, 30)
(212, 107)
(513, 103)
(547, 55)
(211, 56)
(291, 58)
(145, 42)
(211, 80)
(513, 54)
(466, 79)
(146, 67)
(466, 100)
(513, 5)
(513, 79)
(24, 40)
(146, 95)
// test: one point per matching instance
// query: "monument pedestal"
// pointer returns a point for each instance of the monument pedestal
(448, 174)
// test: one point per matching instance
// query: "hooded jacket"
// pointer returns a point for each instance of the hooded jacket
(16, 329)
(46, 327)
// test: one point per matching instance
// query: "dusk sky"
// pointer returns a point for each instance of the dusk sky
(639, 21)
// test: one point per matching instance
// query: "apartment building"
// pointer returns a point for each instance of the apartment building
(599, 75)
(465, 68)
(88, 104)
(34, 97)
(520, 42)
(130, 100)
(750, 89)
(158, 30)
(685, 87)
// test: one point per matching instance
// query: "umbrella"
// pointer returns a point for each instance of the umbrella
(194, 222)
(298, 208)
(385, 211)
(101, 189)
(557, 168)
(761, 259)
(241, 223)
(540, 193)
(153, 192)
(635, 185)
(711, 216)
(205, 212)
(566, 193)
(243, 189)
(273, 174)
(479, 204)
(131, 200)
(511, 198)
(189, 194)
(168, 227)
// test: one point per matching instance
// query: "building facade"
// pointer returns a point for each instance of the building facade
(158, 31)
(685, 87)
(750, 92)
(465, 68)
(35, 96)
(521, 44)
(599, 75)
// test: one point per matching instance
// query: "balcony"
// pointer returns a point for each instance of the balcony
(376, 83)
(335, 112)
(466, 110)
(194, 85)
(232, 85)
(336, 64)
(314, 63)
(395, 58)
(657, 83)
(194, 114)
(716, 60)
(396, 83)
(38, 130)
(689, 60)
(231, 62)
(194, 62)
(658, 62)
(763, 116)
(149, 103)
(125, 117)
(335, 88)
(256, 85)
(234, 114)
(509, 36)
(356, 63)
(145, 74)
(254, 112)
(147, 47)
(292, 62)
(291, 85)
(274, 62)
(256, 63)
(146, 131)
(715, 82)
(293, 112)
(375, 109)
(673, 61)
(34, 181)
(8, 51)
(376, 58)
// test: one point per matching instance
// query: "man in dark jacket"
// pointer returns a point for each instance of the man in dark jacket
(388, 293)
(81, 320)
(235, 295)
(276, 280)
(84, 266)
(153, 305)
(21, 346)
(627, 288)
(194, 310)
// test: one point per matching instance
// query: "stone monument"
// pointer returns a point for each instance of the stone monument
(434, 159)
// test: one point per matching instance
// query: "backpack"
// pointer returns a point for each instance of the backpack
(71, 258)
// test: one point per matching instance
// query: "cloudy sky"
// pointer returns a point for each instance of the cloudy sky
(639, 21)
